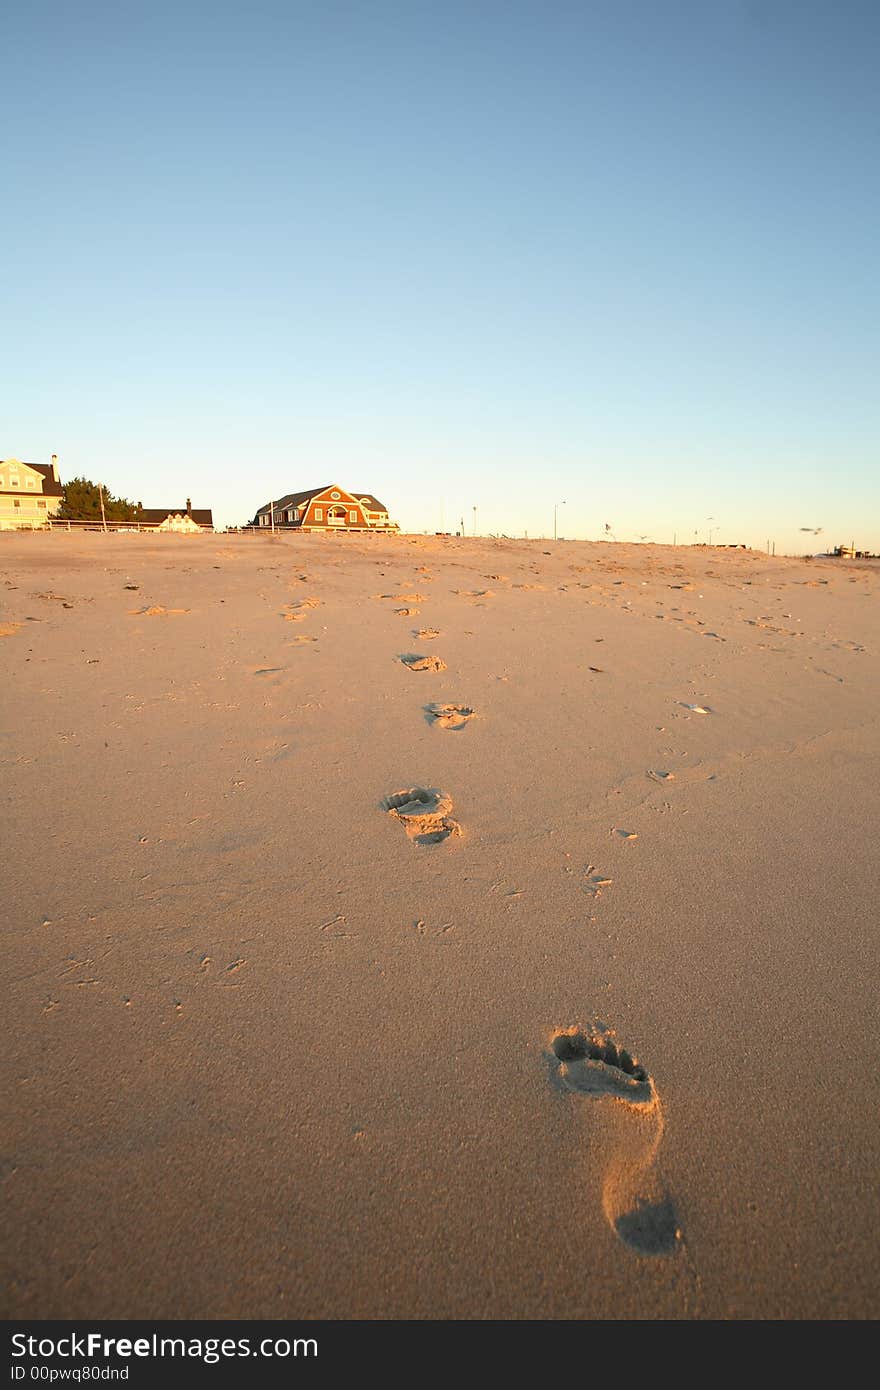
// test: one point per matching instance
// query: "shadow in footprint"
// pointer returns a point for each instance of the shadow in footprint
(424, 813)
(634, 1200)
(651, 1227)
(414, 662)
(448, 716)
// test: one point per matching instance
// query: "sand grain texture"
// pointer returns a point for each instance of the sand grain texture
(271, 1056)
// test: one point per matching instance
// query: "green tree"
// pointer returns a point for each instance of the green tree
(82, 502)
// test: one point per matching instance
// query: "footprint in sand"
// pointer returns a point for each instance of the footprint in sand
(301, 638)
(427, 634)
(156, 611)
(636, 1205)
(450, 716)
(596, 883)
(423, 663)
(9, 629)
(406, 612)
(297, 610)
(424, 813)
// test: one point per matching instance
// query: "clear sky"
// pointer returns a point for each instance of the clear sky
(618, 252)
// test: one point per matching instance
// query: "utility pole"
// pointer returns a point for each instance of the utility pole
(272, 516)
(103, 514)
(555, 506)
(475, 521)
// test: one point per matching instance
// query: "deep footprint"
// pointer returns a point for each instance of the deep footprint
(636, 1205)
(450, 716)
(424, 814)
(423, 663)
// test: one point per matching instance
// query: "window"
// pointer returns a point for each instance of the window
(16, 503)
(14, 482)
(319, 515)
(296, 513)
(30, 482)
(335, 496)
(352, 516)
(264, 519)
(42, 505)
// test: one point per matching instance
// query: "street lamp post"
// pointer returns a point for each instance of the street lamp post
(556, 505)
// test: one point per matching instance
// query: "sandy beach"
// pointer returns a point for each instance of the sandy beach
(418, 927)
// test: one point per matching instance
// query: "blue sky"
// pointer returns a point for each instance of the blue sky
(621, 252)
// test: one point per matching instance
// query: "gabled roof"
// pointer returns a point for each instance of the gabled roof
(293, 499)
(154, 516)
(296, 499)
(50, 487)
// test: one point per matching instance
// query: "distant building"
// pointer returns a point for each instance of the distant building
(181, 520)
(328, 508)
(29, 493)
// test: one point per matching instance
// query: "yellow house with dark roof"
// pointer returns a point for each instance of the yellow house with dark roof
(29, 493)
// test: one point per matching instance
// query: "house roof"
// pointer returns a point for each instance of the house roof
(294, 499)
(154, 516)
(50, 487)
(373, 503)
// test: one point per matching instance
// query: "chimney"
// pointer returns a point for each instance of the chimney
(189, 507)
(55, 468)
